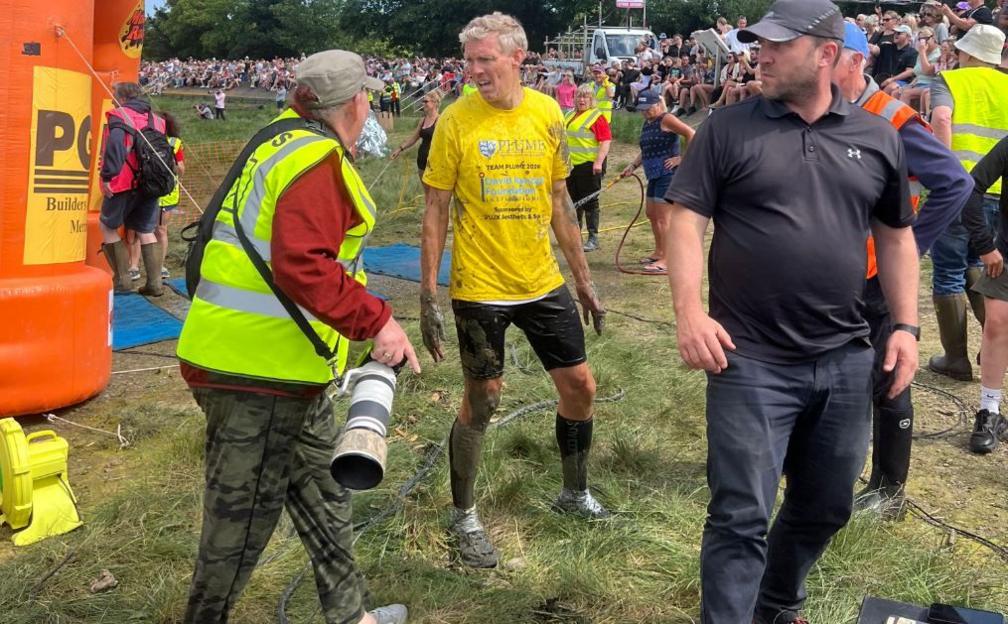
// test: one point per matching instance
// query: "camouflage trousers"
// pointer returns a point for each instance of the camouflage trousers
(264, 453)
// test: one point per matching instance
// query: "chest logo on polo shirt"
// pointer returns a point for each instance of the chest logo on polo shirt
(853, 152)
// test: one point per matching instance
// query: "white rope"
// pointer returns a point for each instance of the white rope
(380, 174)
(117, 434)
(140, 370)
(61, 32)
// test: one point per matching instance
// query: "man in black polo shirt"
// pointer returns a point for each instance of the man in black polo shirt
(794, 180)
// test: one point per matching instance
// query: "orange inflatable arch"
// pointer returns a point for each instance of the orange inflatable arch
(55, 309)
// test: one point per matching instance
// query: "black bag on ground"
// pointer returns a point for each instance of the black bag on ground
(198, 233)
(155, 172)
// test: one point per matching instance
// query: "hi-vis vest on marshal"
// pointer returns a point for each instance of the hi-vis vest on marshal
(581, 140)
(980, 116)
(236, 324)
(602, 100)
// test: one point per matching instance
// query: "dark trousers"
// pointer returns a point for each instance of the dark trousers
(581, 183)
(219, 114)
(892, 419)
(265, 453)
(809, 421)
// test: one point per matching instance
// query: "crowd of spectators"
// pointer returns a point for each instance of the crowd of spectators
(907, 51)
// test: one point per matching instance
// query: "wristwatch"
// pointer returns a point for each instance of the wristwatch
(913, 330)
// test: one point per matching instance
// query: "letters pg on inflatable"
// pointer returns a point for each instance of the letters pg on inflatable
(55, 312)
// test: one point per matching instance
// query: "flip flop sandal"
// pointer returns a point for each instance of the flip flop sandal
(654, 269)
(647, 260)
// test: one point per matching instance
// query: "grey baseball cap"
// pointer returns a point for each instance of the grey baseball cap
(790, 19)
(335, 76)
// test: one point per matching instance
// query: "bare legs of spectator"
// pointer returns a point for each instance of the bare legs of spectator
(994, 344)
(701, 95)
(911, 95)
(659, 213)
(754, 88)
(161, 234)
(726, 90)
(686, 99)
(133, 246)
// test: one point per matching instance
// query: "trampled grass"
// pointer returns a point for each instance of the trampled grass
(142, 505)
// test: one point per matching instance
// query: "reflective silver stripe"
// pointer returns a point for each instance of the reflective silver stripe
(981, 131)
(589, 121)
(968, 155)
(226, 234)
(581, 150)
(253, 201)
(889, 111)
(244, 300)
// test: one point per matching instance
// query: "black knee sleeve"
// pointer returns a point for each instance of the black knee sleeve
(574, 438)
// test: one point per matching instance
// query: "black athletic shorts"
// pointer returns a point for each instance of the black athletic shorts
(551, 324)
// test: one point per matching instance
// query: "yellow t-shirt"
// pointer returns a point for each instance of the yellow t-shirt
(501, 165)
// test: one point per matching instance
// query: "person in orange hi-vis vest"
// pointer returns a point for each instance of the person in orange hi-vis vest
(932, 166)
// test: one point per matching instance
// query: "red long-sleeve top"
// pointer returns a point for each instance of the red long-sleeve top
(309, 224)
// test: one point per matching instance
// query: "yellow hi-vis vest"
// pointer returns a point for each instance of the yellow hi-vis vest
(236, 325)
(581, 141)
(172, 199)
(980, 117)
(602, 100)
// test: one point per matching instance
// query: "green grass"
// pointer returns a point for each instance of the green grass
(142, 505)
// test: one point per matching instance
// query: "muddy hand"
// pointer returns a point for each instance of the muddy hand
(592, 307)
(432, 326)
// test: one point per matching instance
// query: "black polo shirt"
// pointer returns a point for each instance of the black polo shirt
(791, 205)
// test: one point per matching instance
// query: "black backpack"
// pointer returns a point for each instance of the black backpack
(155, 172)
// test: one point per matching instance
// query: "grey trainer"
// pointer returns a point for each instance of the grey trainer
(390, 614)
(580, 504)
(474, 547)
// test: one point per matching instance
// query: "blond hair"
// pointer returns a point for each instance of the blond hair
(587, 88)
(509, 31)
(434, 94)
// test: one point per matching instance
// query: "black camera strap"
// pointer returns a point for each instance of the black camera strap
(321, 348)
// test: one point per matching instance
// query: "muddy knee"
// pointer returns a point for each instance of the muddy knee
(480, 404)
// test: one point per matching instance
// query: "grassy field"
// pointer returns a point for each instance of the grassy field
(141, 504)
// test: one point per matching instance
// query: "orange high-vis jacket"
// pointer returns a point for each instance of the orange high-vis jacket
(898, 114)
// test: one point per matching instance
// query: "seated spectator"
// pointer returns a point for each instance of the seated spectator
(905, 56)
(928, 52)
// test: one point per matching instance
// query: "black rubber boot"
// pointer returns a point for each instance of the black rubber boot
(117, 256)
(151, 254)
(950, 310)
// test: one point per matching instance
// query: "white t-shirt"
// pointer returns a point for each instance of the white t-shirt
(219, 98)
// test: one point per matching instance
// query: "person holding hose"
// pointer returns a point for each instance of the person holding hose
(588, 139)
(423, 132)
(660, 155)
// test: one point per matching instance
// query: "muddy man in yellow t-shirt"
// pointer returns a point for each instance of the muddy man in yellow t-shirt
(502, 152)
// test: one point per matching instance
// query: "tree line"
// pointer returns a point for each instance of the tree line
(271, 28)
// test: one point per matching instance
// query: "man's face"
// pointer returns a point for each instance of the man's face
(598, 76)
(849, 68)
(789, 69)
(494, 73)
(902, 39)
(889, 22)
